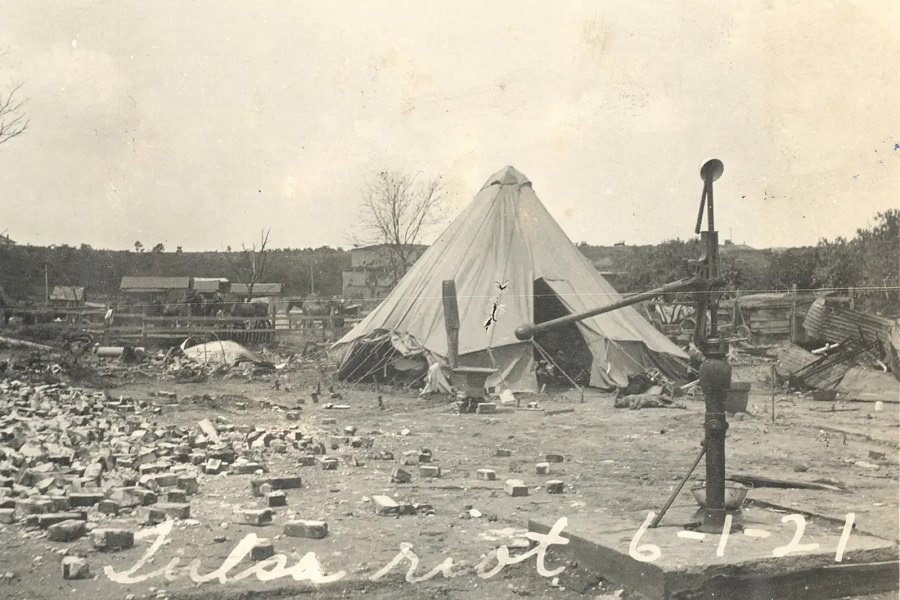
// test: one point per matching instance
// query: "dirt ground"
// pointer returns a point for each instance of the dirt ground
(616, 462)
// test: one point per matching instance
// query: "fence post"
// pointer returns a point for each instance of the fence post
(793, 313)
(144, 326)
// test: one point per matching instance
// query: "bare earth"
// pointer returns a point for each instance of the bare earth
(618, 462)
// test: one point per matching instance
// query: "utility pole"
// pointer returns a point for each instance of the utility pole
(312, 278)
(46, 286)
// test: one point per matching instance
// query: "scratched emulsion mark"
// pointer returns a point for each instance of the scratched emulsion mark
(496, 306)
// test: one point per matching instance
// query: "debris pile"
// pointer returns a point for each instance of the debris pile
(855, 355)
(71, 459)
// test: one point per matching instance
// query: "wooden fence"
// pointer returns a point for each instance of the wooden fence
(137, 329)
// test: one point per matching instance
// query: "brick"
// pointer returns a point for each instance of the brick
(262, 549)
(275, 499)
(275, 483)
(486, 474)
(111, 539)
(515, 487)
(188, 483)
(66, 531)
(542, 468)
(75, 567)
(425, 456)
(33, 506)
(430, 471)
(306, 529)
(502, 452)
(247, 468)
(7, 516)
(176, 496)
(61, 503)
(328, 463)
(109, 507)
(84, 499)
(127, 496)
(174, 510)
(307, 460)
(255, 516)
(158, 480)
(485, 408)
(554, 486)
(328, 421)
(45, 521)
(386, 506)
(212, 466)
(553, 458)
(398, 475)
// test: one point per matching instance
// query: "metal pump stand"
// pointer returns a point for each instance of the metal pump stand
(715, 372)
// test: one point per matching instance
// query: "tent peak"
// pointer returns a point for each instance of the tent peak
(508, 175)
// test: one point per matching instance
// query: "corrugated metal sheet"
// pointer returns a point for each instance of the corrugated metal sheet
(151, 284)
(836, 324)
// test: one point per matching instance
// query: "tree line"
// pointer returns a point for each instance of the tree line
(869, 263)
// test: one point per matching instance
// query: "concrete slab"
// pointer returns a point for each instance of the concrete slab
(764, 560)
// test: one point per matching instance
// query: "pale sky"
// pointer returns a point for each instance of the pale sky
(198, 123)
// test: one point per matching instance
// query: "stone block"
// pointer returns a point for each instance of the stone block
(398, 475)
(255, 516)
(45, 521)
(75, 567)
(109, 507)
(188, 483)
(262, 549)
(515, 487)
(554, 486)
(175, 510)
(111, 539)
(306, 529)
(66, 531)
(486, 474)
(84, 499)
(385, 506)
(430, 471)
(275, 483)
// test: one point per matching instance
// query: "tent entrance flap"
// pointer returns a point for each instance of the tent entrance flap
(565, 346)
(614, 359)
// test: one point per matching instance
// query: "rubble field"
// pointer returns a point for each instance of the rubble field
(103, 485)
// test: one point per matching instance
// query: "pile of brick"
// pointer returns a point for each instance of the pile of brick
(71, 458)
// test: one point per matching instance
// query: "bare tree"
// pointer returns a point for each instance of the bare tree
(253, 263)
(12, 114)
(398, 208)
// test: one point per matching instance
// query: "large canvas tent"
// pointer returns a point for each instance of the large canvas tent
(512, 264)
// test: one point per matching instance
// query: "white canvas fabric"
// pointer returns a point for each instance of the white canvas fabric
(506, 237)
